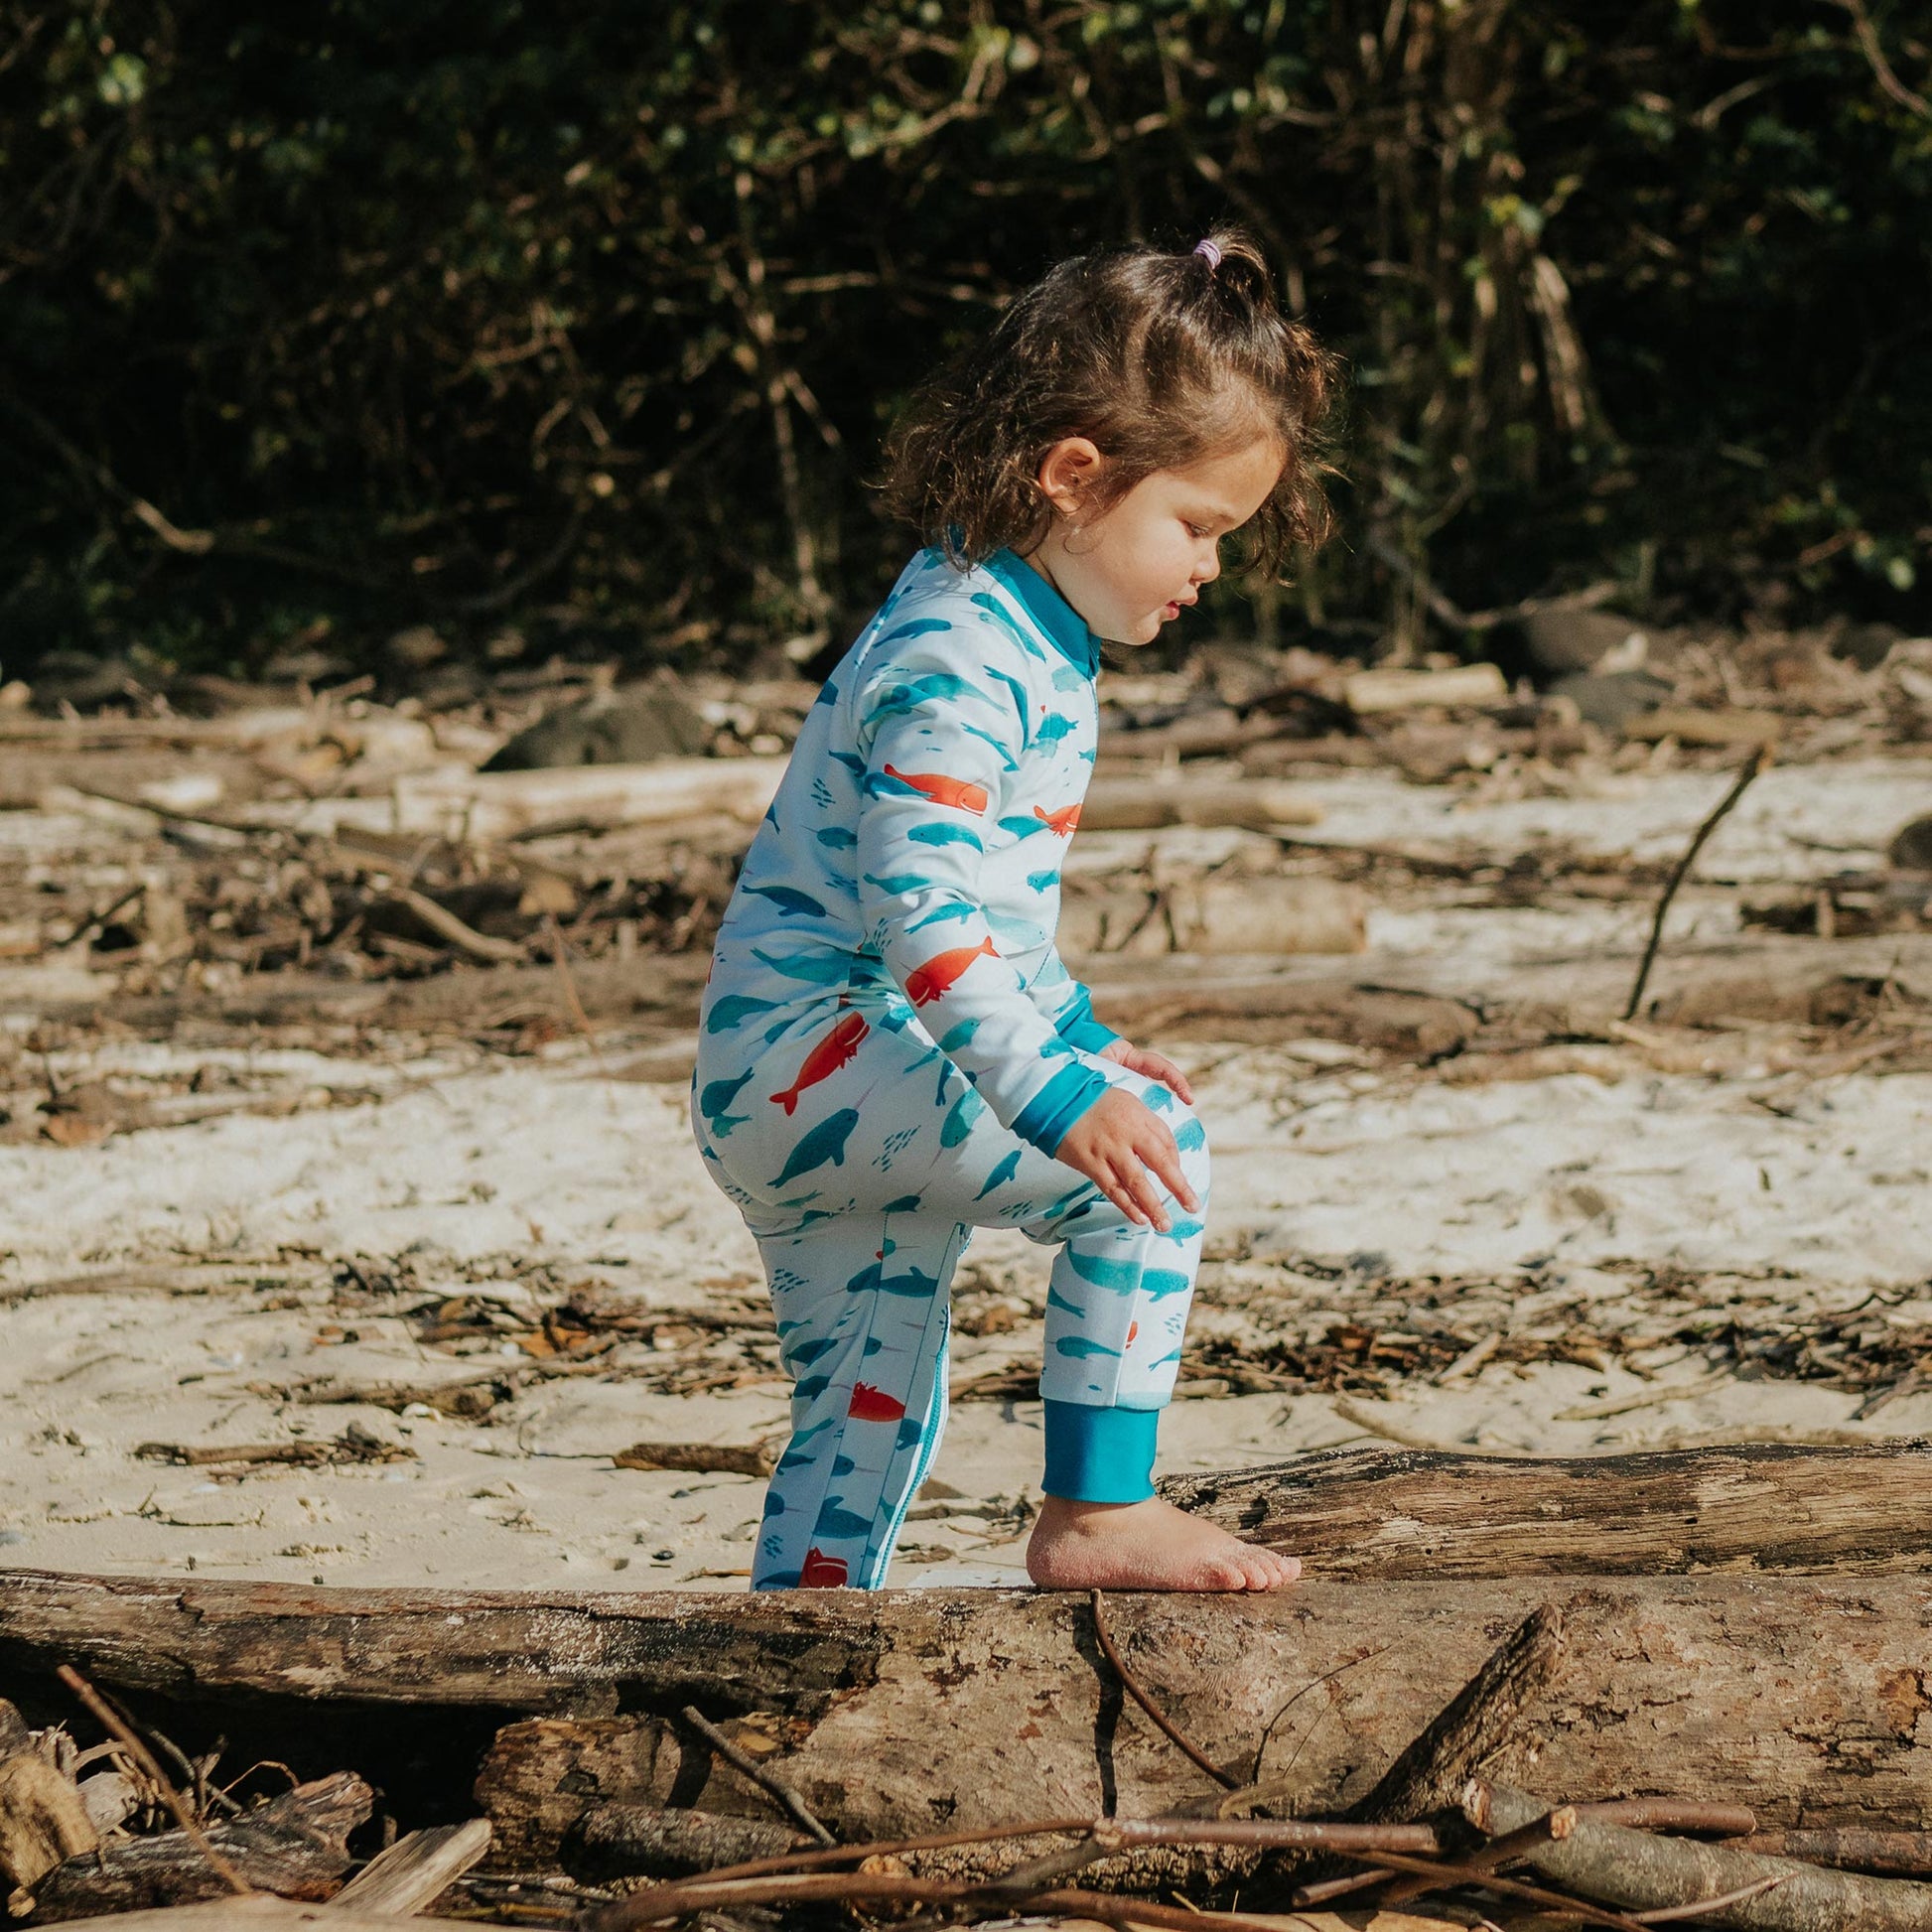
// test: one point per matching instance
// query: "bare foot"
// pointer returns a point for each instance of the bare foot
(1145, 1546)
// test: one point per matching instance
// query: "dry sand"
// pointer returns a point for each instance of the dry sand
(191, 1267)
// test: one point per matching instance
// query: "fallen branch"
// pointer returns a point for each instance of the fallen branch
(1650, 1875)
(1759, 760)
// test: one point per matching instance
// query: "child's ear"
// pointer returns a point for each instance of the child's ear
(1068, 472)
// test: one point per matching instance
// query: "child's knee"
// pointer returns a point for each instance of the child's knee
(1191, 1140)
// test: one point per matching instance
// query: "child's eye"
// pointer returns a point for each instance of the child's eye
(1195, 530)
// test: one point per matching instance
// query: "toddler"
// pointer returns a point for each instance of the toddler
(891, 1052)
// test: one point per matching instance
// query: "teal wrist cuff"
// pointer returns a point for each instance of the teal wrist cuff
(1044, 1119)
(1081, 1031)
(1100, 1455)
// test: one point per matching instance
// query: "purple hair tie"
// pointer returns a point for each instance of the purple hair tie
(1212, 254)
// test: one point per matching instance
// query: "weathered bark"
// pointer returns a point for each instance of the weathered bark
(1482, 1720)
(1415, 1513)
(904, 1711)
(294, 1846)
(1640, 1872)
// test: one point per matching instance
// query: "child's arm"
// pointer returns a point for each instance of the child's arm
(936, 750)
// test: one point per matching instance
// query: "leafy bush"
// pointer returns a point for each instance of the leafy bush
(583, 325)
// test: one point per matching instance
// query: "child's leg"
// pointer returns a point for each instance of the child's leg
(862, 1303)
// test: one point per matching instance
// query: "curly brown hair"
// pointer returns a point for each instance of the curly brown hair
(1159, 358)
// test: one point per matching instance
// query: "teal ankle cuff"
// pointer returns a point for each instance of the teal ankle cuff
(1100, 1455)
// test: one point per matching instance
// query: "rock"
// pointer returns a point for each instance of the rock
(1866, 645)
(1912, 846)
(636, 726)
(417, 647)
(1563, 640)
(1610, 699)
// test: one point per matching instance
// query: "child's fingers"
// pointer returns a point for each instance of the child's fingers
(1159, 1067)
(1159, 1153)
(1147, 1182)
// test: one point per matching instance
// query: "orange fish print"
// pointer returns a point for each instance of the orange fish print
(1061, 822)
(925, 984)
(873, 1405)
(825, 1059)
(820, 1572)
(942, 790)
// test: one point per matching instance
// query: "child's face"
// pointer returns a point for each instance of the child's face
(1132, 570)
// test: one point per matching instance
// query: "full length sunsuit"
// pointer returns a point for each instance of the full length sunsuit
(890, 1049)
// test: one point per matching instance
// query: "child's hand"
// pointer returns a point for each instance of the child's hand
(1151, 1066)
(1124, 1148)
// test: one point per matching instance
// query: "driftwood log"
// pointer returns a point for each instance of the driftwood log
(1806, 1699)
(1368, 1514)
(294, 1846)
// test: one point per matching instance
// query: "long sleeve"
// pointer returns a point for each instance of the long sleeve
(1068, 1006)
(939, 734)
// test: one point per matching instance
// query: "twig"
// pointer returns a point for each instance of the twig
(1697, 1907)
(138, 1750)
(454, 931)
(1132, 1686)
(1760, 759)
(1881, 68)
(1499, 1851)
(1447, 1875)
(769, 1782)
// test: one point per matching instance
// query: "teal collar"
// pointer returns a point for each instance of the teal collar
(1062, 623)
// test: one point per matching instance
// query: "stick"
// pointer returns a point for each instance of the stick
(138, 1750)
(1759, 760)
(1698, 1907)
(454, 931)
(1467, 1874)
(1132, 1686)
(771, 1784)
(1499, 1851)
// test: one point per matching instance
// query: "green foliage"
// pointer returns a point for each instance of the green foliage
(588, 322)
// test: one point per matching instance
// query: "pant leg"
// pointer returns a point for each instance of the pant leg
(1116, 1315)
(862, 1306)
(861, 1202)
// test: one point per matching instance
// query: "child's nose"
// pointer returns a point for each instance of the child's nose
(1209, 567)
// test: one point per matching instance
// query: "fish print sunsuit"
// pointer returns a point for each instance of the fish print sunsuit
(890, 1050)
